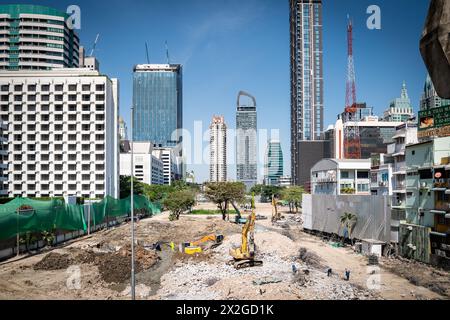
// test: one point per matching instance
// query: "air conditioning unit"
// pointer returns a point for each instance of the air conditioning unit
(423, 185)
(411, 246)
(410, 228)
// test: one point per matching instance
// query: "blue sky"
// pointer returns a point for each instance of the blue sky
(231, 45)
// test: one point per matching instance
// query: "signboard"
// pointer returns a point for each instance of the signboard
(434, 122)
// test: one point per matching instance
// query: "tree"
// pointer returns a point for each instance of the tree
(125, 187)
(348, 220)
(178, 202)
(293, 196)
(157, 193)
(267, 192)
(222, 193)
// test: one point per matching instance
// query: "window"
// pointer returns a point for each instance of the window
(344, 175)
(72, 87)
(363, 175)
(18, 87)
(45, 87)
(100, 87)
(86, 87)
(59, 87)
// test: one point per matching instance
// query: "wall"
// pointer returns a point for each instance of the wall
(322, 213)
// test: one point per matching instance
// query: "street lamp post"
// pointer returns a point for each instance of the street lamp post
(133, 280)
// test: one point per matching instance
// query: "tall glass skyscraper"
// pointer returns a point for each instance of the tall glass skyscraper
(274, 163)
(306, 85)
(158, 103)
(246, 153)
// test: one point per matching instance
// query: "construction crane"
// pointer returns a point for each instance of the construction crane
(91, 54)
(352, 140)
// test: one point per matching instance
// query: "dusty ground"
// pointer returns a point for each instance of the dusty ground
(98, 267)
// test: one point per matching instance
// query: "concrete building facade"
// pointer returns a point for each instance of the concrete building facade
(425, 234)
(218, 150)
(62, 133)
(3, 160)
(147, 168)
(35, 37)
(341, 177)
(172, 163)
(375, 136)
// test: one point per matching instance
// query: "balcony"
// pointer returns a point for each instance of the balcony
(441, 185)
(442, 206)
(400, 168)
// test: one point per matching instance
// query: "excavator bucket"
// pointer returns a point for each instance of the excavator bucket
(435, 46)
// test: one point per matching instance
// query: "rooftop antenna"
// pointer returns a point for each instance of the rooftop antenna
(95, 45)
(146, 50)
(167, 53)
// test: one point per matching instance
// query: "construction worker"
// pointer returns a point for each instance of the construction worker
(347, 275)
(329, 272)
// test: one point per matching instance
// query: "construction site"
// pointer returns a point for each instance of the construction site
(263, 259)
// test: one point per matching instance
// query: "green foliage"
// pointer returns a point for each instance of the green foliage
(179, 201)
(293, 195)
(256, 189)
(223, 193)
(48, 237)
(268, 191)
(125, 187)
(349, 220)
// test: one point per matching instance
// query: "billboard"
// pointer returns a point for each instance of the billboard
(434, 122)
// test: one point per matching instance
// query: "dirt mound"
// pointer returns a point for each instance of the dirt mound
(310, 258)
(54, 261)
(145, 258)
(116, 267)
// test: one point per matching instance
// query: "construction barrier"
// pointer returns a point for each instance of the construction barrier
(23, 215)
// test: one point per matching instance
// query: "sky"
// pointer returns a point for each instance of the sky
(230, 45)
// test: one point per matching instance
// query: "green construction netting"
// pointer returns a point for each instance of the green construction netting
(23, 215)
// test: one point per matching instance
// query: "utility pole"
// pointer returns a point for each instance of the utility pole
(133, 280)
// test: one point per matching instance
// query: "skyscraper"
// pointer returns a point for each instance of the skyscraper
(246, 153)
(430, 98)
(306, 87)
(123, 130)
(158, 103)
(273, 163)
(218, 150)
(400, 110)
(36, 38)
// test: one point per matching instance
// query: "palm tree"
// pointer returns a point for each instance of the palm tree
(349, 220)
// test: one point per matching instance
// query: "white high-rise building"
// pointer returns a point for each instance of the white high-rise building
(218, 150)
(172, 163)
(3, 160)
(62, 133)
(147, 168)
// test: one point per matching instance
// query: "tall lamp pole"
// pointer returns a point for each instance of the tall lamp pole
(133, 280)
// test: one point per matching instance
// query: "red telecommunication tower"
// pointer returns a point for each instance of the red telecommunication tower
(352, 140)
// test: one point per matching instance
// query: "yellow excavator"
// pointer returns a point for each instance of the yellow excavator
(245, 256)
(276, 215)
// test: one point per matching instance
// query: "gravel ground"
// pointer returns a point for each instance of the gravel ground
(216, 279)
